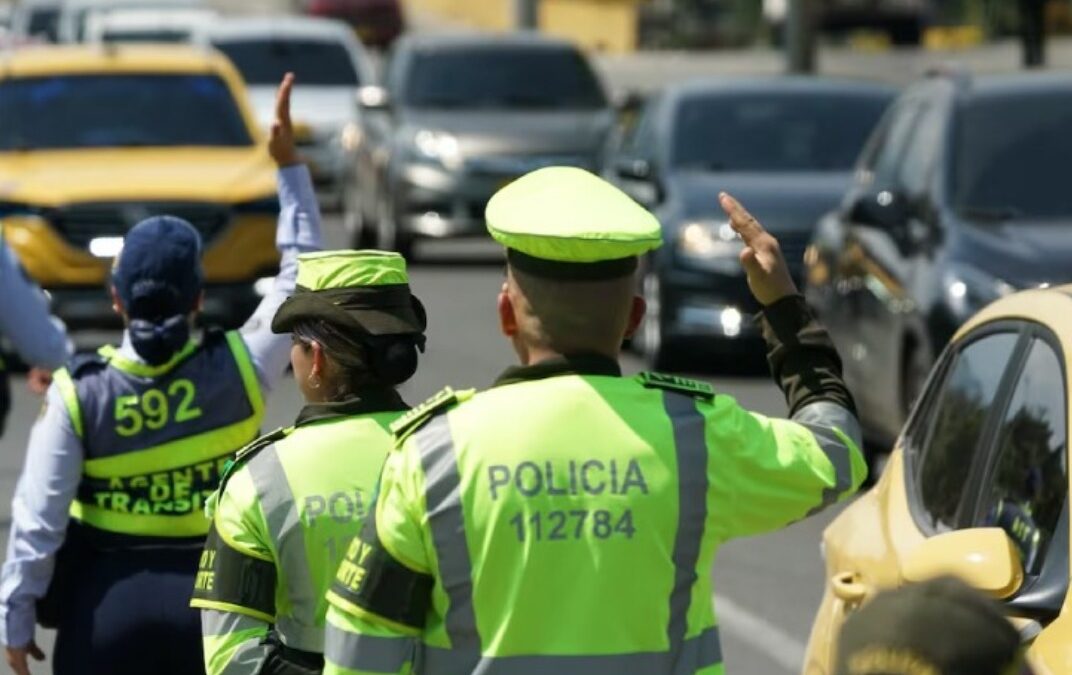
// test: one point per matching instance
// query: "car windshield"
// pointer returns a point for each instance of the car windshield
(100, 111)
(1012, 157)
(507, 78)
(773, 131)
(157, 36)
(44, 22)
(313, 62)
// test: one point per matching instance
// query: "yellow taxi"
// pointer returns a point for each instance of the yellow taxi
(95, 138)
(977, 485)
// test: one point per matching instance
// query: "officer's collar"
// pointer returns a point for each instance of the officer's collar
(577, 364)
(365, 402)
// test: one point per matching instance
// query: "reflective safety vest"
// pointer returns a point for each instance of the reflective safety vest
(566, 523)
(287, 510)
(156, 438)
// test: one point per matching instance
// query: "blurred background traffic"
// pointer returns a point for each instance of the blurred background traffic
(911, 167)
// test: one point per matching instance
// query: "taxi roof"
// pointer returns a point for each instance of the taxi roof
(1050, 306)
(109, 58)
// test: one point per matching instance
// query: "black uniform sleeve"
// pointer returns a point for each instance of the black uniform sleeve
(802, 358)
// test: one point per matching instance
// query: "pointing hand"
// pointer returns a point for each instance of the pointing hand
(768, 275)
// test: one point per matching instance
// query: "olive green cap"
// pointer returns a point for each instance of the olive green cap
(367, 291)
(568, 215)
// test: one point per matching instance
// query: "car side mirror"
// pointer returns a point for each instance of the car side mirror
(983, 557)
(373, 98)
(640, 181)
(886, 210)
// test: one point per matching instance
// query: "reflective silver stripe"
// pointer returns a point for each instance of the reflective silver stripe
(284, 527)
(690, 445)
(821, 419)
(215, 622)
(249, 656)
(367, 652)
(447, 522)
(702, 651)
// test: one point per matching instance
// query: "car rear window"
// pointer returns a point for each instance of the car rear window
(774, 131)
(313, 62)
(1012, 156)
(506, 78)
(98, 111)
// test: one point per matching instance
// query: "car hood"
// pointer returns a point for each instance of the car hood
(314, 106)
(482, 132)
(1023, 253)
(55, 178)
(783, 202)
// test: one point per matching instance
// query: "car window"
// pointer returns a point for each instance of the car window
(505, 78)
(917, 165)
(313, 62)
(1011, 157)
(44, 22)
(99, 111)
(884, 156)
(773, 131)
(956, 426)
(639, 140)
(1029, 476)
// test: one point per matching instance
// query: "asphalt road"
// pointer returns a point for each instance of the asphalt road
(767, 587)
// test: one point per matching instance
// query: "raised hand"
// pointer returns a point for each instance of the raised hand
(768, 275)
(281, 145)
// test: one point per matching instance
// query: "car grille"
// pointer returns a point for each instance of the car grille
(79, 224)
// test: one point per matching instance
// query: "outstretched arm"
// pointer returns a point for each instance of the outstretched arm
(298, 232)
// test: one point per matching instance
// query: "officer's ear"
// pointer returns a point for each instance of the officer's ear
(117, 303)
(507, 313)
(199, 306)
(636, 315)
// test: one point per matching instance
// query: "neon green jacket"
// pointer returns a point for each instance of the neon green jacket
(288, 508)
(566, 522)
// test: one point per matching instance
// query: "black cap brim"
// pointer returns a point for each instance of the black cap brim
(401, 315)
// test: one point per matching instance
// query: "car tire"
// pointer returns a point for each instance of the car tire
(388, 235)
(651, 340)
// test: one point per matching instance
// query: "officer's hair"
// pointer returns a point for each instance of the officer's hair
(571, 317)
(356, 362)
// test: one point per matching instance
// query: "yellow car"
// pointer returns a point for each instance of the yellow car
(977, 485)
(94, 139)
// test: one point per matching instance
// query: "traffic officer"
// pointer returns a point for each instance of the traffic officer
(130, 445)
(293, 500)
(38, 338)
(565, 521)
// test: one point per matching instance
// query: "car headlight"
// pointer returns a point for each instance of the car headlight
(712, 244)
(438, 146)
(968, 289)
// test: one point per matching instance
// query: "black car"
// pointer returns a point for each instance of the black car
(961, 196)
(460, 117)
(784, 146)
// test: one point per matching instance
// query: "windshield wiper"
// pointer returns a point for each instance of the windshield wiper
(996, 214)
(704, 166)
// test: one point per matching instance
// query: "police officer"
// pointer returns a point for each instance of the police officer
(566, 520)
(293, 500)
(132, 443)
(39, 339)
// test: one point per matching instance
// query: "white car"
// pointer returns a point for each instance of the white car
(143, 24)
(74, 15)
(330, 64)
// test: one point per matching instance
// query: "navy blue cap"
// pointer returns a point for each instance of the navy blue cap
(158, 273)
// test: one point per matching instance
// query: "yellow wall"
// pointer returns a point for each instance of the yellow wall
(603, 25)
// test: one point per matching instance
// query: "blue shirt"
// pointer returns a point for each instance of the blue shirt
(40, 339)
(53, 466)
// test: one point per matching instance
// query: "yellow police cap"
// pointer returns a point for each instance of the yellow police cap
(568, 215)
(367, 291)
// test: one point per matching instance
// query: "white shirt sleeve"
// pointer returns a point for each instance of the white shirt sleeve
(298, 232)
(39, 515)
(39, 338)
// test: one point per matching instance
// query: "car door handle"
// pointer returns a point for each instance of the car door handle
(848, 587)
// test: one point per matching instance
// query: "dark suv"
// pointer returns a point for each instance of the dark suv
(961, 196)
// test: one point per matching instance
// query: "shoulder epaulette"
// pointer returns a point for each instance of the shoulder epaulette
(249, 452)
(681, 385)
(420, 415)
(81, 364)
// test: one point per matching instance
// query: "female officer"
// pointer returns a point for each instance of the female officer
(294, 500)
(130, 444)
